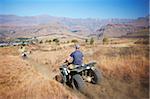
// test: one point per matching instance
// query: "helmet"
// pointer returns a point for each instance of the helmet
(77, 46)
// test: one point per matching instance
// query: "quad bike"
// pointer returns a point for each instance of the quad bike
(76, 77)
(24, 55)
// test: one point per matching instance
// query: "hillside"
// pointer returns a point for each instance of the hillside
(124, 67)
(19, 79)
(117, 30)
(29, 26)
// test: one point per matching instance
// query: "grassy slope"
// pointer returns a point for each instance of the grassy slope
(125, 71)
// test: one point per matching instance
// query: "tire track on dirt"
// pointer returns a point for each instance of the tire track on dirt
(41, 68)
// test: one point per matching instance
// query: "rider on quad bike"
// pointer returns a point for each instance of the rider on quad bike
(76, 58)
(23, 51)
(75, 73)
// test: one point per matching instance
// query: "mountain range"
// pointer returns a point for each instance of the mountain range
(29, 26)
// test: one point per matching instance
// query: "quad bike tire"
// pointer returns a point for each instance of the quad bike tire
(59, 78)
(97, 76)
(78, 82)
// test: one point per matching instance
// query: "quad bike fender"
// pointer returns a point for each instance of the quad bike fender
(91, 64)
(77, 70)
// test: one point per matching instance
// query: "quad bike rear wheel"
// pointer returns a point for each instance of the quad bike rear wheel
(96, 76)
(78, 82)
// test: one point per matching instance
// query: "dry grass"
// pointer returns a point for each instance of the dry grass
(125, 63)
(9, 51)
(125, 70)
(18, 80)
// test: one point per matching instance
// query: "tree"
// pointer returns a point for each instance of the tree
(49, 41)
(56, 40)
(105, 40)
(23, 43)
(91, 41)
(41, 42)
(86, 40)
(46, 41)
(74, 41)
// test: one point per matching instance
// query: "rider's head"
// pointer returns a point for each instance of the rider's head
(77, 46)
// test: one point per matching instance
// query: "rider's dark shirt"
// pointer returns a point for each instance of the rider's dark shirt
(77, 57)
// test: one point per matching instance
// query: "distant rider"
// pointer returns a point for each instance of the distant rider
(23, 51)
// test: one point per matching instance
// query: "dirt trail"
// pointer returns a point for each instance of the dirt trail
(49, 74)
(41, 68)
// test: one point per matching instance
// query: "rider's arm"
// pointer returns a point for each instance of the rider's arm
(69, 59)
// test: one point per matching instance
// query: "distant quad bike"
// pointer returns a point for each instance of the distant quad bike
(24, 55)
(76, 77)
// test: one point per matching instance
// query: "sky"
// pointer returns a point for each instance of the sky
(76, 8)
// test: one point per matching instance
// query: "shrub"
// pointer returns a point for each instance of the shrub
(56, 40)
(91, 41)
(49, 41)
(142, 41)
(105, 40)
(74, 41)
(41, 42)
(86, 40)
(23, 43)
(46, 41)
